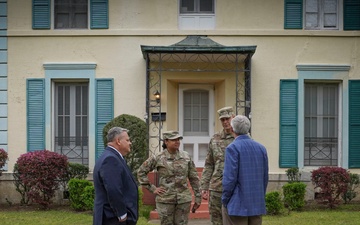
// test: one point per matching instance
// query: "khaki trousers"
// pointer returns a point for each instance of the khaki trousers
(240, 220)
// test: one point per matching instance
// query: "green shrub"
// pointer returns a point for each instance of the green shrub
(88, 197)
(353, 184)
(293, 174)
(138, 135)
(274, 205)
(79, 198)
(294, 195)
(74, 170)
(78, 171)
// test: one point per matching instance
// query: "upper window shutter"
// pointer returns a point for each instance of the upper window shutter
(104, 110)
(351, 15)
(41, 14)
(99, 14)
(35, 114)
(288, 123)
(293, 14)
(354, 124)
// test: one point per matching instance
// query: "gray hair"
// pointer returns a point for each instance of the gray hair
(240, 124)
(114, 132)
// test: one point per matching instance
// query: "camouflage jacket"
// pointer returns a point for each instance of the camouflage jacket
(211, 178)
(174, 172)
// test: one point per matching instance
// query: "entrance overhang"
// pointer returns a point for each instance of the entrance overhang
(196, 54)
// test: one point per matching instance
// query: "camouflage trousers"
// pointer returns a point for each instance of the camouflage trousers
(215, 208)
(173, 214)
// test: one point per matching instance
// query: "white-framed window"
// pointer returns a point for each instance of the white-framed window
(196, 119)
(71, 120)
(322, 14)
(196, 14)
(197, 6)
(321, 124)
(71, 14)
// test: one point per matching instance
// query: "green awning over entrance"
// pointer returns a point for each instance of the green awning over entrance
(200, 45)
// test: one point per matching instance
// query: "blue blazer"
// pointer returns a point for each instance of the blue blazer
(116, 191)
(245, 178)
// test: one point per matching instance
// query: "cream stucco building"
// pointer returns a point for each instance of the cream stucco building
(292, 66)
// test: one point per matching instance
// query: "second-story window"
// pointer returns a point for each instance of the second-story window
(197, 6)
(321, 14)
(197, 14)
(71, 14)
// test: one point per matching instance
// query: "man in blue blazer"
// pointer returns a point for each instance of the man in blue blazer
(116, 192)
(245, 177)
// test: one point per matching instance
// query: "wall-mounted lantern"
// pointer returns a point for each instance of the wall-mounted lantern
(157, 96)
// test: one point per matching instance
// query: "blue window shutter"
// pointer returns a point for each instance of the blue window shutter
(104, 110)
(351, 15)
(354, 124)
(41, 14)
(293, 14)
(99, 14)
(288, 123)
(35, 114)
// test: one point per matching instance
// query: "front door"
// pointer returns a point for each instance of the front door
(196, 119)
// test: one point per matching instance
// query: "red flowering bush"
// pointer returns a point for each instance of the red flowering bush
(332, 182)
(41, 172)
(3, 158)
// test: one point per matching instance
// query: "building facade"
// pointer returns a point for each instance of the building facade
(69, 67)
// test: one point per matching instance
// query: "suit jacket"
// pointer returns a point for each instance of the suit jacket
(116, 191)
(245, 177)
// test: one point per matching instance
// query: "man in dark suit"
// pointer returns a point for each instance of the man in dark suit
(116, 192)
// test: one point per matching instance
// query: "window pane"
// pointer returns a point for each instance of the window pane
(204, 125)
(67, 100)
(71, 14)
(312, 20)
(206, 6)
(60, 100)
(187, 125)
(190, 149)
(187, 112)
(330, 20)
(195, 98)
(84, 100)
(196, 113)
(78, 100)
(330, 6)
(196, 125)
(187, 6)
(203, 149)
(80, 20)
(312, 6)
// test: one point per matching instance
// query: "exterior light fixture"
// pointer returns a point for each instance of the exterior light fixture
(157, 96)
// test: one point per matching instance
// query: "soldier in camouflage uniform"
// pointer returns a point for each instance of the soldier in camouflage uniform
(211, 178)
(175, 168)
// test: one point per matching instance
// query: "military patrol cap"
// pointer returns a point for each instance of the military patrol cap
(171, 135)
(225, 112)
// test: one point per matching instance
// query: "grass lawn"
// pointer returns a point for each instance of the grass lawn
(56, 215)
(315, 214)
(312, 214)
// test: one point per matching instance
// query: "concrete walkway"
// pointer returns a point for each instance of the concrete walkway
(191, 222)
